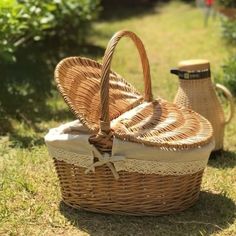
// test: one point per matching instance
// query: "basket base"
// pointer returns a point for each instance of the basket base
(136, 213)
(133, 194)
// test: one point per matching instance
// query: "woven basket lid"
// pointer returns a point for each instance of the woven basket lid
(109, 106)
(78, 80)
(163, 124)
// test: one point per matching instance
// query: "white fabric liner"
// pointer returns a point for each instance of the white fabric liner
(69, 142)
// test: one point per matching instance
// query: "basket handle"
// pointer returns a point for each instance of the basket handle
(107, 59)
(229, 97)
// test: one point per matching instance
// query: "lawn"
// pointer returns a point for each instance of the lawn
(30, 202)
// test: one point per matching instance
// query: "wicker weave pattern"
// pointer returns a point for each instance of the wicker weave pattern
(200, 96)
(133, 193)
(164, 125)
(78, 80)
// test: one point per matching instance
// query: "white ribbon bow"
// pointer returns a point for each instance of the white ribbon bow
(104, 159)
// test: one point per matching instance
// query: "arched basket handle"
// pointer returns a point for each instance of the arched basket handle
(103, 140)
(107, 59)
(229, 97)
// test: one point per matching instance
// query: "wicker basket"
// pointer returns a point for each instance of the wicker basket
(167, 134)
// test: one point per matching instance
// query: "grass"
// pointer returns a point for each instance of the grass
(29, 191)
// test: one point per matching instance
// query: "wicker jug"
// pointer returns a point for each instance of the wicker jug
(196, 91)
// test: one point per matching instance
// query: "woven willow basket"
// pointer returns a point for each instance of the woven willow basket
(111, 109)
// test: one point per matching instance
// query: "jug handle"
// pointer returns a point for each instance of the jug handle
(229, 97)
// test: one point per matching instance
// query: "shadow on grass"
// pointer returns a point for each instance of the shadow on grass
(121, 10)
(223, 159)
(28, 84)
(212, 213)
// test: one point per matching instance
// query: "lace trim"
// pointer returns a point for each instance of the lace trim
(161, 168)
(71, 157)
(132, 165)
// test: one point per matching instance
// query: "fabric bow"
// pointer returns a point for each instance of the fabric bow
(104, 159)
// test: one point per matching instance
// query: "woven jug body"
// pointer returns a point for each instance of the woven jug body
(200, 96)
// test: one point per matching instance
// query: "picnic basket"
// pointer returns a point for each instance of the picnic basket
(146, 157)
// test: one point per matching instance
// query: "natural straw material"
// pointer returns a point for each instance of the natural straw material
(132, 193)
(200, 95)
(120, 111)
(78, 80)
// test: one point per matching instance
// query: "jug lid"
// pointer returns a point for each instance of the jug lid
(193, 69)
(194, 65)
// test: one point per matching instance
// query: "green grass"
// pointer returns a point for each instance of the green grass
(29, 191)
